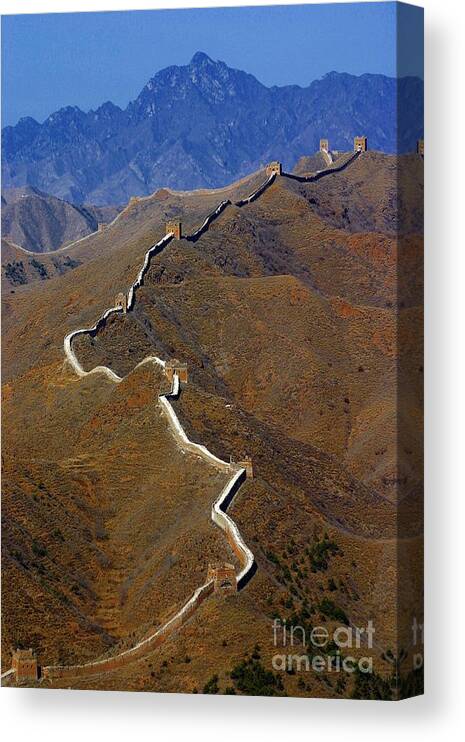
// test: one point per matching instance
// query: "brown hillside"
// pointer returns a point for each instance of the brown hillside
(41, 223)
(297, 334)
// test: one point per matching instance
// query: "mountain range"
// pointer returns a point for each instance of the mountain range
(204, 125)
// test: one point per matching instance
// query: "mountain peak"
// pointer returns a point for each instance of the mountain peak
(65, 114)
(203, 124)
(200, 58)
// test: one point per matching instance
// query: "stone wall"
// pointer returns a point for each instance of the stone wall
(175, 367)
(239, 473)
(223, 577)
(174, 227)
(323, 173)
(121, 302)
(24, 665)
(207, 221)
(360, 144)
(155, 640)
(274, 167)
(258, 192)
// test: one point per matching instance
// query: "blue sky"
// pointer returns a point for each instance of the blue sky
(84, 59)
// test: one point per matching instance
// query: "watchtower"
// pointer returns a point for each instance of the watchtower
(121, 302)
(174, 366)
(101, 226)
(24, 664)
(360, 144)
(224, 577)
(175, 227)
(274, 167)
(421, 147)
(246, 464)
(324, 145)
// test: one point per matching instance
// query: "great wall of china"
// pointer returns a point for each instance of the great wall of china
(220, 578)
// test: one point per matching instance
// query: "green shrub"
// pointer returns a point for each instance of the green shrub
(211, 687)
(370, 686)
(256, 652)
(320, 553)
(38, 549)
(273, 557)
(331, 610)
(251, 678)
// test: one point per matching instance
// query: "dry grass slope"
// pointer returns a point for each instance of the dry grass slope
(297, 333)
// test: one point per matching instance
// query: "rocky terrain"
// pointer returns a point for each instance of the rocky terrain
(204, 125)
(42, 223)
(299, 316)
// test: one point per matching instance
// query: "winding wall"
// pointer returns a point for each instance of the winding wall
(220, 506)
(313, 177)
(138, 650)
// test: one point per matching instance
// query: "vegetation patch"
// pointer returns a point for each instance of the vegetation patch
(15, 272)
(39, 268)
(320, 552)
(329, 609)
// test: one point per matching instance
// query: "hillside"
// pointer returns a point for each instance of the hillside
(299, 340)
(137, 226)
(42, 223)
(20, 268)
(204, 125)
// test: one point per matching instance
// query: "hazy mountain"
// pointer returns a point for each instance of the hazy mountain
(41, 223)
(204, 124)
